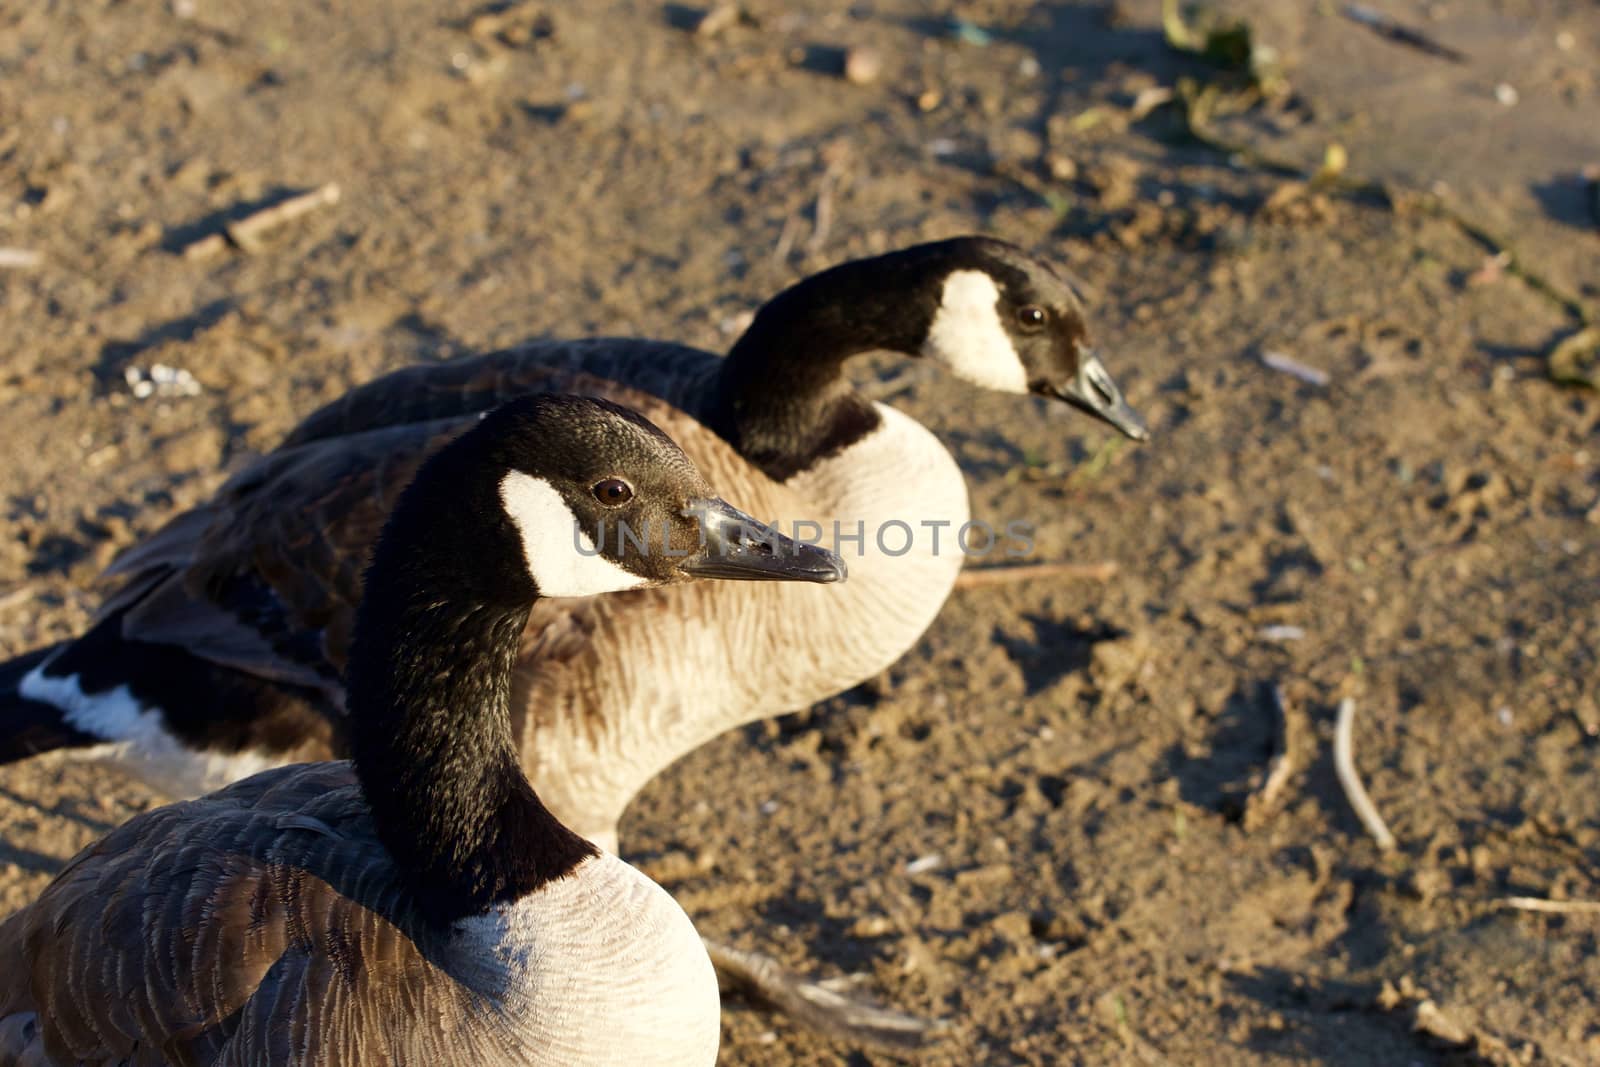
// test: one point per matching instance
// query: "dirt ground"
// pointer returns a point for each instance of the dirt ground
(1050, 824)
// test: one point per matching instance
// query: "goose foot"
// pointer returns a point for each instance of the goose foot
(819, 1006)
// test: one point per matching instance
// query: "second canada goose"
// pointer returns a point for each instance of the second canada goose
(421, 905)
(252, 595)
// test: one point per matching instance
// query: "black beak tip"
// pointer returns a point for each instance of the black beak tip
(1133, 426)
(736, 546)
(803, 562)
(829, 569)
(1113, 411)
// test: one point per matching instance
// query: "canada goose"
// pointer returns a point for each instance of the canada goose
(419, 905)
(252, 595)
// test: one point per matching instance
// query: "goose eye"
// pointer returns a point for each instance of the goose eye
(1031, 317)
(613, 492)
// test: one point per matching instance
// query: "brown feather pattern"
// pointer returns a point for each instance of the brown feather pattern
(252, 905)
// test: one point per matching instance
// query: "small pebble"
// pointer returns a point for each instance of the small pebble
(734, 325)
(862, 65)
(1506, 94)
(1062, 168)
(160, 380)
(1566, 41)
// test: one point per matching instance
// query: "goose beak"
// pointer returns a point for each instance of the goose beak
(738, 547)
(1094, 391)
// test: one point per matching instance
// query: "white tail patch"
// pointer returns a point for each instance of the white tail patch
(561, 556)
(967, 335)
(137, 740)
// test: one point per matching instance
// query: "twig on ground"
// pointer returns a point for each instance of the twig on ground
(1260, 805)
(1398, 32)
(786, 239)
(246, 234)
(719, 18)
(248, 231)
(205, 247)
(983, 577)
(20, 258)
(1430, 1019)
(1294, 368)
(819, 1006)
(1344, 764)
(1553, 907)
(17, 596)
(1427, 1017)
(822, 215)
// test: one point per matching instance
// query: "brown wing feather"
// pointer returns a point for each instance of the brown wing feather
(268, 586)
(265, 577)
(458, 387)
(257, 925)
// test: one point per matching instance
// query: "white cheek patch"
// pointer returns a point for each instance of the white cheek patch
(561, 555)
(967, 336)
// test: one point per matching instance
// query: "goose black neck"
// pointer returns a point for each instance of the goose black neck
(429, 689)
(782, 398)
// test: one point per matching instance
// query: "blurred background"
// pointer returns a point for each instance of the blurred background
(1343, 258)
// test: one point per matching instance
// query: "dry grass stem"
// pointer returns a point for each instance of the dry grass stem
(19, 258)
(1262, 803)
(983, 577)
(1553, 907)
(1344, 764)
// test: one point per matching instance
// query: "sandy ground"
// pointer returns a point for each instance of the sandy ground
(1048, 823)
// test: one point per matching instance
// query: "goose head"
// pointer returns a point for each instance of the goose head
(1005, 320)
(580, 497)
